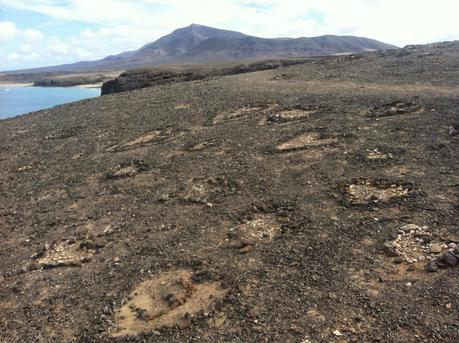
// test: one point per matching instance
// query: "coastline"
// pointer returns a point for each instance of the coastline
(91, 85)
(9, 84)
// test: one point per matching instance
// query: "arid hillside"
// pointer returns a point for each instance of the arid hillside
(310, 203)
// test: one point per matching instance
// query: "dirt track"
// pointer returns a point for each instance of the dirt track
(261, 207)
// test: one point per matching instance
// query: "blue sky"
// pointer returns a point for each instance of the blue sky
(47, 32)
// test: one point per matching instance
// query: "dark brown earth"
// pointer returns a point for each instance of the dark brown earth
(292, 205)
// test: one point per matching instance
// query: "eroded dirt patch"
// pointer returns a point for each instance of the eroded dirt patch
(147, 138)
(169, 300)
(201, 190)
(70, 253)
(289, 115)
(200, 146)
(366, 192)
(293, 114)
(65, 133)
(260, 229)
(305, 141)
(377, 155)
(396, 108)
(182, 107)
(241, 113)
(127, 169)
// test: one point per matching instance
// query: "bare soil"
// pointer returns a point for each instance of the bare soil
(299, 204)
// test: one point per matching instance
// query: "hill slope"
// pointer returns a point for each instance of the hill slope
(292, 205)
(201, 43)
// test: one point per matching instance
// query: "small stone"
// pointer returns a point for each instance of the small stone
(246, 249)
(108, 231)
(427, 239)
(39, 253)
(408, 284)
(170, 299)
(393, 235)
(410, 227)
(283, 219)
(449, 305)
(398, 260)
(71, 240)
(449, 259)
(236, 244)
(435, 248)
(421, 258)
(85, 259)
(142, 314)
(432, 266)
(89, 244)
(184, 323)
(389, 249)
(164, 197)
(337, 333)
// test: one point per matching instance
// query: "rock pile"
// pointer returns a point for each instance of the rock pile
(396, 107)
(412, 243)
(371, 192)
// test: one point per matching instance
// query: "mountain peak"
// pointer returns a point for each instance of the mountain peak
(200, 43)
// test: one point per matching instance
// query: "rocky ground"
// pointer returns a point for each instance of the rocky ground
(313, 203)
(149, 77)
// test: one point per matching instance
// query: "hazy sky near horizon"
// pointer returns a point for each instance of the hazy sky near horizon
(36, 33)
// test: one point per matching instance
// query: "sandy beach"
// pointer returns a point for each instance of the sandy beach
(5, 85)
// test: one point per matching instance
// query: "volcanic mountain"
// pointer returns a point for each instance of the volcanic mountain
(198, 43)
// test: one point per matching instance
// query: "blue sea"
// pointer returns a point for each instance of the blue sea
(20, 100)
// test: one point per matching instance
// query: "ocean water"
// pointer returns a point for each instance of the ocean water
(20, 100)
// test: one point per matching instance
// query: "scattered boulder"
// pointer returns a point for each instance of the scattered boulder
(448, 258)
(432, 266)
(390, 249)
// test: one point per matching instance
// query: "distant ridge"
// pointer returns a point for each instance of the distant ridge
(199, 43)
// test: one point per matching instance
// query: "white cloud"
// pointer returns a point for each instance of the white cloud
(394, 21)
(13, 56)
(26, 48)
(9, 31)
(31, 35)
